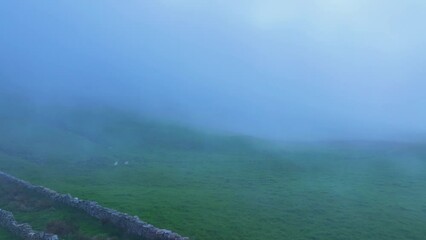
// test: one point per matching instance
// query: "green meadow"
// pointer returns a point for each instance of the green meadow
(6, 235)
(210, 186)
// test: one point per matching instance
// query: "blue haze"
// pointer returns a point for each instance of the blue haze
(288, 70)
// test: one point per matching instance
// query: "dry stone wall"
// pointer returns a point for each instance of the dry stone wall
(22, 230)
(130, 224)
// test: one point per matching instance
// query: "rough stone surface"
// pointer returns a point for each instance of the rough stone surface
(23, 231)
(131, 224)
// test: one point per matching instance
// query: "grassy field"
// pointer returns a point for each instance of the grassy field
(6, 235)
(220, 187)
(45, 215)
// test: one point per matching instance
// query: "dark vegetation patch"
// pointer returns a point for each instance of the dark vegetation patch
(69, 230)
(61, 228)
(15, 197)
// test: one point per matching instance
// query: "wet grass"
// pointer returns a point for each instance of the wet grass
(44, 215)
(209, 187)
(4, 234)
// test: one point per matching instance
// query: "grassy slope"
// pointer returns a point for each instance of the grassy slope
(210, 187)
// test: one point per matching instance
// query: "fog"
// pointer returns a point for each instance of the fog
(287, 70)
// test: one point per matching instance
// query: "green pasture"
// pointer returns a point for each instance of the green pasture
(212, 187)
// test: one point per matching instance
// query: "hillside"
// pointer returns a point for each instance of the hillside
(208, 186)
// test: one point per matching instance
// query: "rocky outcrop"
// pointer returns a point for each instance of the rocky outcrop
(23, 231)
(130, 224)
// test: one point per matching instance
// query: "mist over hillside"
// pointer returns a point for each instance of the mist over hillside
(345, 70)
(207, 185)
(213, 120)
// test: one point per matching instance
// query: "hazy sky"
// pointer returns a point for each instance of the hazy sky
(318, 69)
